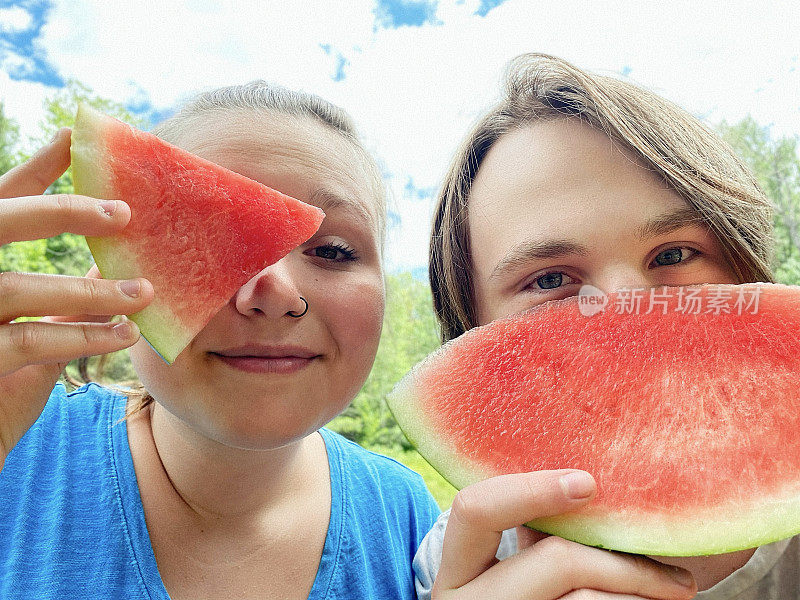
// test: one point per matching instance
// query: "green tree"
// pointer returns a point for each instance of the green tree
(776, 165)
(60, 110)
(409, 334)
(9, 138)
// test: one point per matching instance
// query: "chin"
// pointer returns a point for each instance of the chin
(272, 429)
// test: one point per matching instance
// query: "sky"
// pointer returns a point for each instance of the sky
(415, 74)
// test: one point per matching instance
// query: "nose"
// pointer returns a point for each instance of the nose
(622, 276)
(273, 292)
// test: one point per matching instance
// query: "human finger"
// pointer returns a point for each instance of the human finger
(37, 173)
(93, 273)
(527, 537)
(586, 594)
(481, 512)
(37, 294)
(555, 567)
(39, 217)
(40, 342)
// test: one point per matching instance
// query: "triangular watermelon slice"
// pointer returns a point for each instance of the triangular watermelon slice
(684, 403)
(197, 231)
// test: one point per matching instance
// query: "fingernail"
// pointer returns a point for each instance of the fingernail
(577, 485)
(108, 207)
(681, 576)
(126, 329)
(56, 136)
(131, 287)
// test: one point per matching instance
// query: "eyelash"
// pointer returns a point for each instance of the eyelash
(694, 251)
(695, 254)
(348, 253)
(533, 285)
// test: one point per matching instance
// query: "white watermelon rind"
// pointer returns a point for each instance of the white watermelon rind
(700, 533)
(159, 326)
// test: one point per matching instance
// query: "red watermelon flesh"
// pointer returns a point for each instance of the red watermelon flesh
(689, 420)
(198, 231)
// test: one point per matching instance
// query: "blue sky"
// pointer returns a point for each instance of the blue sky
(30, 61)
(414, 73)
(22, 42)
(416, 13)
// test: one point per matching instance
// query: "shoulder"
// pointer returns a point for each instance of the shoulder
(380, 512)
(90, 405)
(70, 421)
(86, 399)
(377, 478)
(366, 462)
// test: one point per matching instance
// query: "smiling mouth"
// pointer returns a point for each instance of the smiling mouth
(278, 362)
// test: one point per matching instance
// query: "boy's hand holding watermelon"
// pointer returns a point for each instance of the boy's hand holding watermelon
(32, 354)
(546, 567)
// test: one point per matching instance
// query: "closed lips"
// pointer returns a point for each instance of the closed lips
(267, 352)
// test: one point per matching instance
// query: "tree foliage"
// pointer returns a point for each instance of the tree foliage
(9, 140)
(776, 164)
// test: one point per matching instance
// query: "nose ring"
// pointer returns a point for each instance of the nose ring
(296, 315)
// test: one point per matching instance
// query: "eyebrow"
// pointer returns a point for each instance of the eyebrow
(533, 250)
(529, 250)
(669, 222)
(329, 201)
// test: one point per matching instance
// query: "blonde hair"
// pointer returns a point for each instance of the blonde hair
(261, 96)
(257, 97)
(692, 159)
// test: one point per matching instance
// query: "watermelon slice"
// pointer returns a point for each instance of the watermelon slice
(688, 415)
(198, 231)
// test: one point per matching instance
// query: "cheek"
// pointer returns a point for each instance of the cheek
(160, 379)
(723, 273)
(355, 315)
(145, 362)
(491, 305)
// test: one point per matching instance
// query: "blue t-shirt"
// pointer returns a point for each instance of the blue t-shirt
(72, 523)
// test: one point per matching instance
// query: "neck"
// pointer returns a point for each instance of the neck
(218, 483)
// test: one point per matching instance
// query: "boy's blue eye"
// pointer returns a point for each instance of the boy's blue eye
(553, 280)
(672, 256)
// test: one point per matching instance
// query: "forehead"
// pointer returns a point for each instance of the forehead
(294, 155)
(561, 177)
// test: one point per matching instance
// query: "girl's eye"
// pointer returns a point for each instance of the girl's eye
(672, 256)
(333, 252)
(552, 280)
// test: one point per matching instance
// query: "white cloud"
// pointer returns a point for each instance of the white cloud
(23, 101)
(14, 19)
(415, 90)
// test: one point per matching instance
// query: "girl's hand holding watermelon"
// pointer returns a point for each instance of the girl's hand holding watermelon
(32, 354)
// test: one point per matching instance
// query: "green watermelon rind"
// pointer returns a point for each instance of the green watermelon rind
(774, 519)
(114, 261)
